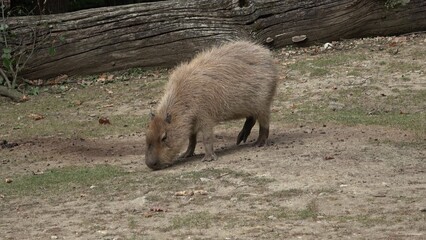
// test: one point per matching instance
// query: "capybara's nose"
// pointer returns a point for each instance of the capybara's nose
(154, 165)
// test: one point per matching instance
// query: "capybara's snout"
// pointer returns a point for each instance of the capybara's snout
(153, 163)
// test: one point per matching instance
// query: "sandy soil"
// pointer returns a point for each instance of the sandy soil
(319, 179)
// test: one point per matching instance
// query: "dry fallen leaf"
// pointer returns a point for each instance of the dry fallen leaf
(108, 105)
(148, 214)
(25, 98)
(78, 102)
(35, 116)
(184, 193)
(200, 192)
(102, 78)
(104, 120)
(105, 77)
(157, 209)
(38, 173)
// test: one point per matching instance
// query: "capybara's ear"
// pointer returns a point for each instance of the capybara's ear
(168, 118)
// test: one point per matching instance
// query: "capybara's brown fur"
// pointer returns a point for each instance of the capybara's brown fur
(232, 81)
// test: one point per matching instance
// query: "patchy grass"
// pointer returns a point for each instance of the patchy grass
(309, 212)
(75, 109)
(403, 66)
(404, 109)
(414, 122)
(287, 193)
(182, 181)
(201, 220)
(320, 66)
(120, 125)
(60, 180)
(365, 220)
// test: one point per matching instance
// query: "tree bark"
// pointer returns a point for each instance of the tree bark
(167, 32)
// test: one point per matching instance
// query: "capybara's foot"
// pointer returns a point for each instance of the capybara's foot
(209, 158)
(245, 132)
(261, 143)
(262, 140)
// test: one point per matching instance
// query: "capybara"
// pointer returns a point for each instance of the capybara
(232, 81)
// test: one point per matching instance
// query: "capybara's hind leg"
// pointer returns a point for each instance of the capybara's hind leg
(263, 131)
(208, 145)
(191, 147)
(245, 132)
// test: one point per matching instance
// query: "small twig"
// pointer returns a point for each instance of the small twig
(6, 78)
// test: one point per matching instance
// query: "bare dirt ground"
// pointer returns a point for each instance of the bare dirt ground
(347, 159)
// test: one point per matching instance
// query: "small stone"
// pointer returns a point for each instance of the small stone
(326, 46)
(103, 232)
(200, 192)
(54, 237)
(8, 180)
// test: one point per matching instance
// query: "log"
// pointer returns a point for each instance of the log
(167, 32)
(13, 94)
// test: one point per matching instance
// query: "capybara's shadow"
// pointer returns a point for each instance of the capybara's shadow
(100, 148)
(220, 153)
(285, 138)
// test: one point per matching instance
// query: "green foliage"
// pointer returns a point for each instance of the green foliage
(17, 48)
(390, 4)
(201, 220)
(60, 180)
(7, 57)
(34, 91)
(52, 51)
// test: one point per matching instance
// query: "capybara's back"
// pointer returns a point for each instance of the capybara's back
(228, 82)
(232, 81)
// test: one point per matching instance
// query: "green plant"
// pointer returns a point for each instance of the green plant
(17, 45)
(60, 180)
(396, 3)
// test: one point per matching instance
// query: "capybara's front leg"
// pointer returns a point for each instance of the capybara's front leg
(208, 145)
(191, 146)
(245, 132)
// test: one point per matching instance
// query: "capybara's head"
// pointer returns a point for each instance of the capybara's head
(161, 142)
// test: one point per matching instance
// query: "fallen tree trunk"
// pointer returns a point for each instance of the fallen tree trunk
(164, 33)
